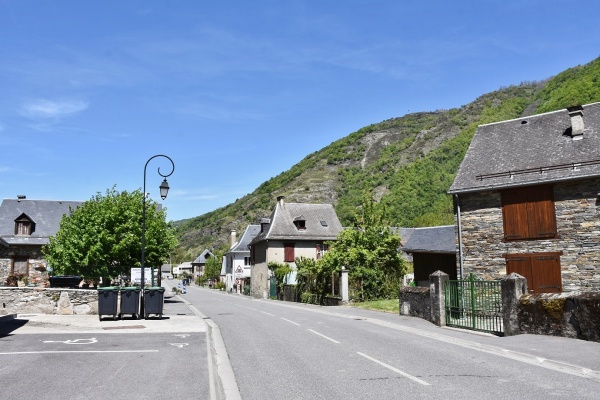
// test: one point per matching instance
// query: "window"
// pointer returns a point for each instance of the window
(246, 261)
(528, 213)
(542, 270)
(321, 250)
(300, 224)
(23, 225)
(20, 266)
(288, 252)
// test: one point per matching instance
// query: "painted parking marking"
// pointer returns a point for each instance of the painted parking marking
(180, 345)
(75, 351)
(74, 341)
(396, 370)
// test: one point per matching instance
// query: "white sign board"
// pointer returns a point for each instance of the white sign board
(136, 275)
(239, 272)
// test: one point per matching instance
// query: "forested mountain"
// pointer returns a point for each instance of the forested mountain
(406, 163)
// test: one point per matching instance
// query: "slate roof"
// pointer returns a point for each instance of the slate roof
(322, 223)
(46, 214)
(201, 259)
(531, 150)
(241, 246)
(438, 239)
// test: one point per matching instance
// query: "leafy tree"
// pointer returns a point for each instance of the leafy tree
(212, 269)
(102, 237)
(369, 251)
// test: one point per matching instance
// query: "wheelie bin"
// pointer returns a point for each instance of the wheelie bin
(130, 301)
(154, 301)
(107, 301)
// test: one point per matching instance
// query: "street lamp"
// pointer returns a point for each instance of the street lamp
(164, 190)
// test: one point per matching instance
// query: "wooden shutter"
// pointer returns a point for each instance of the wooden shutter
(540, 211)
(288, 252)
(514, 213)
(546, 273)
(20, 266)
(542, 271)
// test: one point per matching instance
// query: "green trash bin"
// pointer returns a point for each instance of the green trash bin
(154, 301)
(107, 301)
(130, 301)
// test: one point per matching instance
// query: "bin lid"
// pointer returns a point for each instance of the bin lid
(130, 288)
(155, 288)
(108, 288)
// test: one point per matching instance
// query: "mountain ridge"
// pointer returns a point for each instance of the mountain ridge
(407, 163)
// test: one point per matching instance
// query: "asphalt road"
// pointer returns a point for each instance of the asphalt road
(288, 351)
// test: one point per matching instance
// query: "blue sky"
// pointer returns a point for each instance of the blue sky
(237, 92)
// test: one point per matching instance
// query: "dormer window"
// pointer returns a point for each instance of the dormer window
(300, 223)
(23, 225)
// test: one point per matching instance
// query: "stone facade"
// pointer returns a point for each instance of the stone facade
(37, 265)
(577, 206)
(415, 302)
(48, 301)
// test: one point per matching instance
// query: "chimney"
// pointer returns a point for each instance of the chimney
(21, 197)
(576, 114)
(233, 237)
(280, 200)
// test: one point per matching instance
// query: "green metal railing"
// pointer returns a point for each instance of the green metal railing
(474, 304)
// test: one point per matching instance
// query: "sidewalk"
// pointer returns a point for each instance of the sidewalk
(177, 317)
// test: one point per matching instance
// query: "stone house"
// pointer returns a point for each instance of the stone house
(527, 198)
(25, 227)
(199, 264)
(293, 230)
(432, 249)
(237, 259)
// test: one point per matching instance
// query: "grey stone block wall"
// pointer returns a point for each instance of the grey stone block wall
(48, 301)
(577, 206)
(415, 302)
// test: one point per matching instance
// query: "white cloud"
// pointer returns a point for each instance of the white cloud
(52, 109)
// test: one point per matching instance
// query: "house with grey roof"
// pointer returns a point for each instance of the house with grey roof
(293, 230)
(237, 266)
(25, 227)
(432, 249)
(198, 266)
(527, 198)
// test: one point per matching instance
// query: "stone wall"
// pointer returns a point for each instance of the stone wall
(32, 300)
(415, 302)
(577, 207)
(573, 315)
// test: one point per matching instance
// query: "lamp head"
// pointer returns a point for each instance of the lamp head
(164, 189)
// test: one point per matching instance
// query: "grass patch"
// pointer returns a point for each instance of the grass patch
(391, 306)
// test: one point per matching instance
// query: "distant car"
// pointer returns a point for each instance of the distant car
(65, 281)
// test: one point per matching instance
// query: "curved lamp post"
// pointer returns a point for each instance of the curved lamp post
(164, 190)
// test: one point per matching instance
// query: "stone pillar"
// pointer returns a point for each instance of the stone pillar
(344, 285)
(437, 296)
(513, 286)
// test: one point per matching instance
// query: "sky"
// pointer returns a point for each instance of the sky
(236, 92)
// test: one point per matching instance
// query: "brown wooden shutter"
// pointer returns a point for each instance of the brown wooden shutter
(288, 252)
(546, 271)
(520, 265)
(514, 212)
(541, 213)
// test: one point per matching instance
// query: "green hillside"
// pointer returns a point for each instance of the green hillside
(408, 163)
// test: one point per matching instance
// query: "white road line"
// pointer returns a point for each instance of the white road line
(264, 312)
(396, 370)
(291, 322)
(320, 334)
(76, 351)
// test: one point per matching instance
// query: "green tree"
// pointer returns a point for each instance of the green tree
(212, 269)
(370, 252)
(102, 237)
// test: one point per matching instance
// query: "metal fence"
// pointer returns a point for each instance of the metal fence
(474, 304)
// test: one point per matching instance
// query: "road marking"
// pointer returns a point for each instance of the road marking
(183, 335)
(180, 345)
(77, 351)
(414, 378)
(75, 341)
(291, 322)
(326, 337)
(264, 312)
